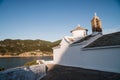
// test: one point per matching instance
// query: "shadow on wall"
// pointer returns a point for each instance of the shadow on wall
(70, 56)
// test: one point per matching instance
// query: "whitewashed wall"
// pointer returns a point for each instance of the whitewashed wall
(59, 51)
(99, 59)
(79, 33)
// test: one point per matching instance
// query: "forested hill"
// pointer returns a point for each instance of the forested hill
(9, 46)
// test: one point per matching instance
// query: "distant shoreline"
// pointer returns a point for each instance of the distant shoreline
(7, 56)
(29, 54)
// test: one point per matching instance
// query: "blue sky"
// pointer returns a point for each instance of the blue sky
(52, 19)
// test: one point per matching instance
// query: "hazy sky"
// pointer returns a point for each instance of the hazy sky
(53, 19)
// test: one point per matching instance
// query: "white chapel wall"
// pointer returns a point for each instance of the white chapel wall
(98, 59)
(79, 33)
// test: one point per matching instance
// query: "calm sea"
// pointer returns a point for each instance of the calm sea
(12, 62)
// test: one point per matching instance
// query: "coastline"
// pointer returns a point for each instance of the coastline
(30, 54)
(7, 56)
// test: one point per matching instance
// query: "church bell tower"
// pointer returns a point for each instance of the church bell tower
(96, 24)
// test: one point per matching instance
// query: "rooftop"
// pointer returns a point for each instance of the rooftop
(106, 40)
(78, 28)
(59, 72)
(83, 39)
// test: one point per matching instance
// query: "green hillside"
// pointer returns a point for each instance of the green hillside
(12, 47)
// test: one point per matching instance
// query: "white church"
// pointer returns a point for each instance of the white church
(95, 51)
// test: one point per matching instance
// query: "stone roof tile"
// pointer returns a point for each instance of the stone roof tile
(106, 40)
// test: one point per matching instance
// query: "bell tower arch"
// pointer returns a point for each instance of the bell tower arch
(96, 24)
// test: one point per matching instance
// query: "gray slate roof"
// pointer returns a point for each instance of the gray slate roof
(83, 39)
(106, 40)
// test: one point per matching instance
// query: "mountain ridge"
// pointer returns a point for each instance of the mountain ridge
(18, 46)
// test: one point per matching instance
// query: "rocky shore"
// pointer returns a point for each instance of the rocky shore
(34, 72)
(58, 72)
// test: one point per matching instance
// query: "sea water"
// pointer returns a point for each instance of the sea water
(12, 62)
